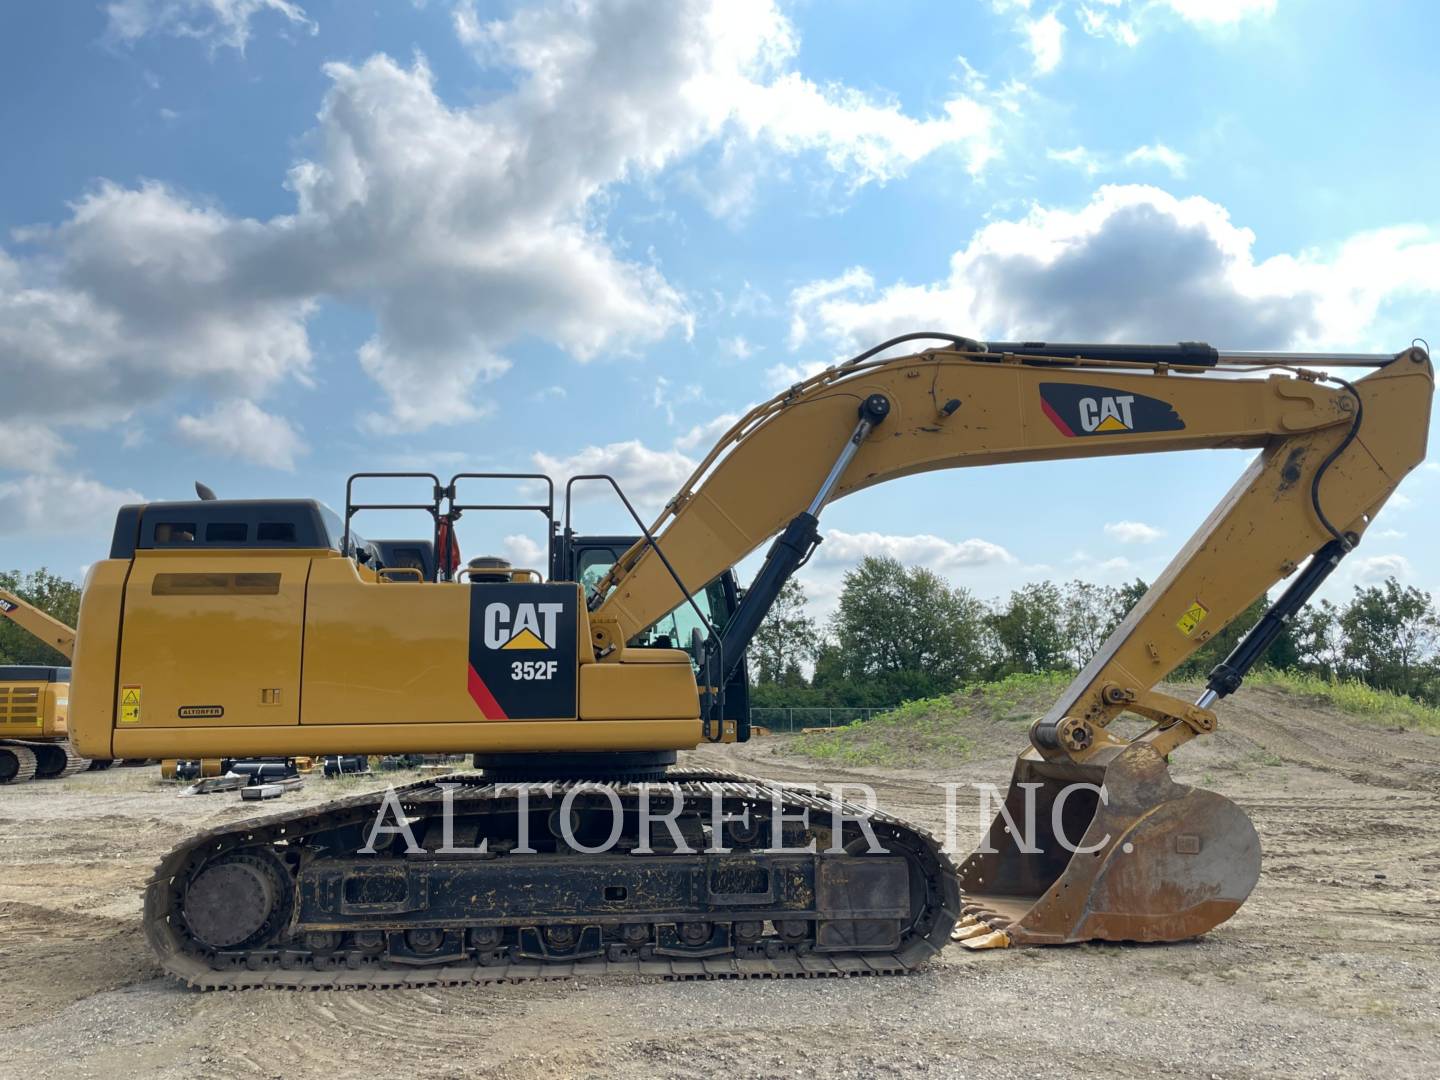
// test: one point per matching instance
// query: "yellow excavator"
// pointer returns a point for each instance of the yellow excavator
(270, 627)
(34, 702)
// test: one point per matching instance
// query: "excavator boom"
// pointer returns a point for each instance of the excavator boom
(40, 624)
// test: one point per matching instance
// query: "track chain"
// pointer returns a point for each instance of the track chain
(296, 969)
(26, 764)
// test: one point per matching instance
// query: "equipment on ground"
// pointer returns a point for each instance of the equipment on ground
(270, 627)
(34, 702)
(345, 765)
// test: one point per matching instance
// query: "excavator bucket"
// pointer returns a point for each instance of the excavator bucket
(1106, 852)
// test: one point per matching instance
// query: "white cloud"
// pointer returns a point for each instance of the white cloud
(219, 23)
(1092, 163)
(1133, 532)
(817, 292)
(526, 552)
(1078, 157)
(462, 229)
(1220, 12)
(152, 292)
(1122, 20)
(665, 396)
(1044, 37)
(697, 69)
(1373, 568)
(1099, 21)
(241, 429)
(648, 477)
(52, 504)
(26, 445)
(703, 436)
(782, 376)
(1158, 154)
(939, 554)
(1137, 264)
(738, 347)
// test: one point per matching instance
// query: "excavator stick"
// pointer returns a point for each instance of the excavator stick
(1094, 840)
(1112, 852)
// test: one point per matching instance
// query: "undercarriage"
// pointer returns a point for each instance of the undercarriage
(466, 880)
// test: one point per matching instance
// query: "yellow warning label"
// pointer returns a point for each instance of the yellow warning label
(525, 639)
(1192, 618)
(130, 705)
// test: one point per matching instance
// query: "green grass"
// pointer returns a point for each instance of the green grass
(939, 730)
(932, 730)
(1355, 698)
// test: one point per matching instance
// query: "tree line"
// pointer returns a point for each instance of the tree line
(903, 632)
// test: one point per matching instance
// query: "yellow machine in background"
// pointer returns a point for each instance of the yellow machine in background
(34, 703)
(231, 628)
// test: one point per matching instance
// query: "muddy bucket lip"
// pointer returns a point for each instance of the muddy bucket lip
(1134, 857)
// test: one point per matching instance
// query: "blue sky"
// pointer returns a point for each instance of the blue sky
(266, 243)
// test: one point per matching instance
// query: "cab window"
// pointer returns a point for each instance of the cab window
(673, 631)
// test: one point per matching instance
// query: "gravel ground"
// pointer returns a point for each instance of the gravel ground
(1332, 968)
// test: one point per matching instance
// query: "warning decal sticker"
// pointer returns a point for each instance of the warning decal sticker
(523, 651)
(130, 705)
(1193, 617)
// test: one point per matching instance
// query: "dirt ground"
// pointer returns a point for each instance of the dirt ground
(1331, 969)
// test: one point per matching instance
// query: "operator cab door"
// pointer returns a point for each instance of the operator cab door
(212, 639)
(591, 558)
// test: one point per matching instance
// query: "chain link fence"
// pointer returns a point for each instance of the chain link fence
(798, 719)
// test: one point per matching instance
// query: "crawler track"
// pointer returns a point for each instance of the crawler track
(35, 760)
(285, 902)
(17, 763)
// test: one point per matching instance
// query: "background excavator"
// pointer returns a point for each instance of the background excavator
(247, 628)
(34, 702)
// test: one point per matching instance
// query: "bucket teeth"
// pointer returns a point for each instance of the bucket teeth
(996, 939)
(964, 933)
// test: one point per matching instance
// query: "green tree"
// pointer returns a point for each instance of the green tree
(50, 593)
(1124, 600)
(1390, 636)
(1087, 619)
(903, 632)
(1030, 629)
(1319, 638)
(787, 641)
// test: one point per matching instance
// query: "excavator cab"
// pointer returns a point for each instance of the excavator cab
(589, 561)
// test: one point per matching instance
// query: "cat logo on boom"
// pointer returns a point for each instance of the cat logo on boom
(1107, 413)
(1078, 411)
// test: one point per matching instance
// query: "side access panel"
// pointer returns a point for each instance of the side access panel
(390, 654)
(212, 641)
